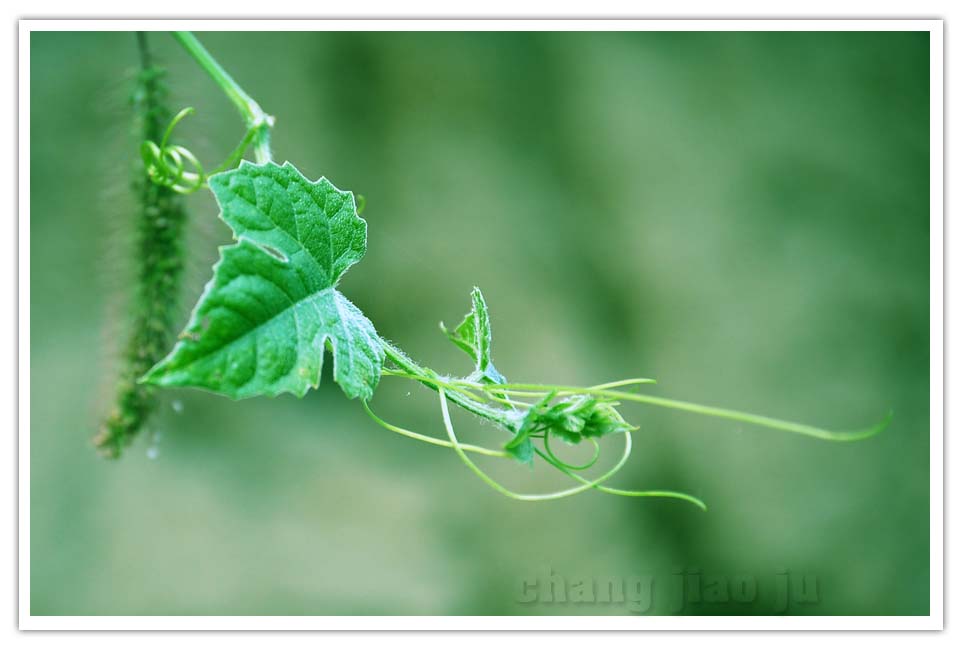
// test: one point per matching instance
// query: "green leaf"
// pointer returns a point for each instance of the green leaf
(520, 445)
(265, 318)
(523, 451)
(473, 337)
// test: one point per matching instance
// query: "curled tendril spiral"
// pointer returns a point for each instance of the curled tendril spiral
(173, 166)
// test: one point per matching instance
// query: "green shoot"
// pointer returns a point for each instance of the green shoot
(272, 309)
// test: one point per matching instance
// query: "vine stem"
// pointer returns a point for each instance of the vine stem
(503, 418)
(256, 120)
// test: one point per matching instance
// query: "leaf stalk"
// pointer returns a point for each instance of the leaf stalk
(257, 121)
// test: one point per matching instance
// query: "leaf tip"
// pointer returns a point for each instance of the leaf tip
(153, 377)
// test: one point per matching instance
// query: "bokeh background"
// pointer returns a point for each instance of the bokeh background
(743, 216)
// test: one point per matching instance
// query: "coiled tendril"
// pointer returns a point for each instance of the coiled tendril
(175, 167)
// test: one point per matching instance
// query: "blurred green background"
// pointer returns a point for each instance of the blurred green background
(743, 216)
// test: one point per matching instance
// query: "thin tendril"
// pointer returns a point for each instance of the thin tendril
(624, 493)
(538, 390)
(236, 156)
(570, 466)
(625, 382)
(165, 164)
(429, 439)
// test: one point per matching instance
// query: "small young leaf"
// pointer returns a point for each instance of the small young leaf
(520, 445)
(579, 417)
(473, 337)
(264, 319)
(523, 451)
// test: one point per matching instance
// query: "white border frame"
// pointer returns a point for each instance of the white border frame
(410, 623)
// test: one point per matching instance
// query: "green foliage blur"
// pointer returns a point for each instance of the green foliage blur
(743, 216)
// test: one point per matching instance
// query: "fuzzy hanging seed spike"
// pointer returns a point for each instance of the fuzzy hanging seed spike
(159, 258)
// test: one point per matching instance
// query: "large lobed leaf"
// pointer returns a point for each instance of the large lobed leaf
(265, 318)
